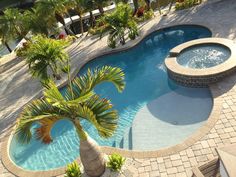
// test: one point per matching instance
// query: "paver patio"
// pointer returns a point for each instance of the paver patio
(17, 88)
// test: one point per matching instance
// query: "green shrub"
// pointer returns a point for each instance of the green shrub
(186, 4)
(73, 170)
(148, 14)
(115, 162)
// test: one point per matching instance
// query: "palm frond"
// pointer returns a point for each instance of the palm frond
(82, 85)
(43, 132)
(99, 112)
(35, 112)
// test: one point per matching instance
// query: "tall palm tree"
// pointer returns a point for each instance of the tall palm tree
(5, 36)
(12, 25)
(171, 4)
(78, 7)
(54, 9)
(148, 4)
(89, 5)
(80, 102)
(39, 23)
(136, 6)
(43, 55)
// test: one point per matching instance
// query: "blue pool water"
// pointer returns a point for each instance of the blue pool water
(151, 109)
(203, 56)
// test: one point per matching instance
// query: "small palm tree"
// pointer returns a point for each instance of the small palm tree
(79, 103)
(117, 23)
(43, 55)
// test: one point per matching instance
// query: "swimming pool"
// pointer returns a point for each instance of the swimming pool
(154, 112)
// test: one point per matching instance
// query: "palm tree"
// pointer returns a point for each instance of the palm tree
(80, 102)
(12, 25)
(171, 3)
(117, 23)
(5, 36)
(136, 6)
(43, 54)
(78, 7)
(39, 23)
(89, 5)
(54, 9)
(148, 4)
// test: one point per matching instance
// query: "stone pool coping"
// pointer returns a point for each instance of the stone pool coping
(200, 77)
(213, 117)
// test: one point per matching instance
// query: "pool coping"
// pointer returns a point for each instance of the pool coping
(213, 117)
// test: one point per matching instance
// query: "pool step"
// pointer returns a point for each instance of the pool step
(126, 141)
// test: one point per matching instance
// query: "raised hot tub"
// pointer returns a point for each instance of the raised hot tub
(201, 62)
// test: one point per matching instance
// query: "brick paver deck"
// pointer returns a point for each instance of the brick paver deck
(220, 17)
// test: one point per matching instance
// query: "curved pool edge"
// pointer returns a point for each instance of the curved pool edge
(189, 141)
(202, 131)
(213, 117)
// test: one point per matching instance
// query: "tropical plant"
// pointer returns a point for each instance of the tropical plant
(148, 4)
(186, 4)
(42, 55)
(115, 162)
(39, 23)
(54, 9)
(117, 23)
(78, 7)
(12, 25)
(136, 6)
(73, 170)
(79, 102)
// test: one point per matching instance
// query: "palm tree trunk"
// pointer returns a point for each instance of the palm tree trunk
(8, 47)
(90, 153)
(159, 7)
(81, 24)
(148, 4)
(91, 19)
(136, 6)
(62, 21)
(72, 22)
(171, 3)
(100, 8)
(91, 157)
